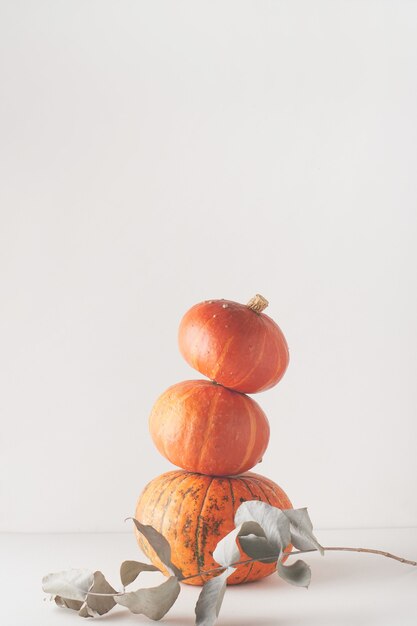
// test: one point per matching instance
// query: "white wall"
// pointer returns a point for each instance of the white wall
(155, 154)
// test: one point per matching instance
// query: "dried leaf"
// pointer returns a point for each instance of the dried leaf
(210, 599)
(299, 573)
(154, 602)
(275, 524)
(85, 611)
(75, 605)
(302, 536)
(71, 584)
(258, 548)
(227, 551)
(100, 604)
(160, 545)
(130, 570)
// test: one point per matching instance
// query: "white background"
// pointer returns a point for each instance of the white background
(156, 154)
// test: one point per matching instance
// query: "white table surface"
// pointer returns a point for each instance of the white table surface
(346, 589)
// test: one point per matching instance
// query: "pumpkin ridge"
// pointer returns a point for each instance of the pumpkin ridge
(231, 492)
(197, 534)
(258, 484)
(178, 516)
(258, 360)
(213, 406)
(247, 485)
(169, 502)
(177, 513)
(267, 487)
(249, 569)
(279, 364)
(221, 358)
(154, 504)
(246, 576)
(252, 435)
(191, 391)
(195, 349)
(146, 489)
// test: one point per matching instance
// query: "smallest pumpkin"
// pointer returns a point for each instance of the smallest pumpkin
(206, 428)
(234, 344)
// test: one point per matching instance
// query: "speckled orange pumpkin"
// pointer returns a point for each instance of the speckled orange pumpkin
(194, 512)
(234, 344)
(203, 427)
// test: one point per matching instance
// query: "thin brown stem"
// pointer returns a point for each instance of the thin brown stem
(370, 551)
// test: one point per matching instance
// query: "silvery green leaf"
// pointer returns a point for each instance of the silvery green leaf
(75, 605)
(160, 545)
(275, 524)
(210, 599)
(302, 536)
(258, 548)
(130, 570)
(71, 584)
(100, 604)
(227, 551)
(153, 602)
(299, 573)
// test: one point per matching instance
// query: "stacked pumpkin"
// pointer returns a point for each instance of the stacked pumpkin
(215, 433)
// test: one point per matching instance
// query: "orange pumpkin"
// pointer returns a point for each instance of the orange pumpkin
(234, 344)
(206, 428)
(194, 512)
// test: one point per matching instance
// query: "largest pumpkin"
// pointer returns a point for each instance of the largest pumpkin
(195, 511)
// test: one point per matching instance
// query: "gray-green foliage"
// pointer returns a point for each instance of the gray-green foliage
(262, 531)
(302, 536)
(227, 551)
(153, 602)
(130, 570)
(76, 589)
(72, 584)
(210, 599)
(299, 573)
(273, 521)
(100, 604)
(160, 545)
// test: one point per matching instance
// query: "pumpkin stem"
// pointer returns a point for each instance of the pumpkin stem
(258, 303)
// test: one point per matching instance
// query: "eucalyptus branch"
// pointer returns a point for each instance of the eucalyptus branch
(295, 552)
(286, 554)
(89, 593)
